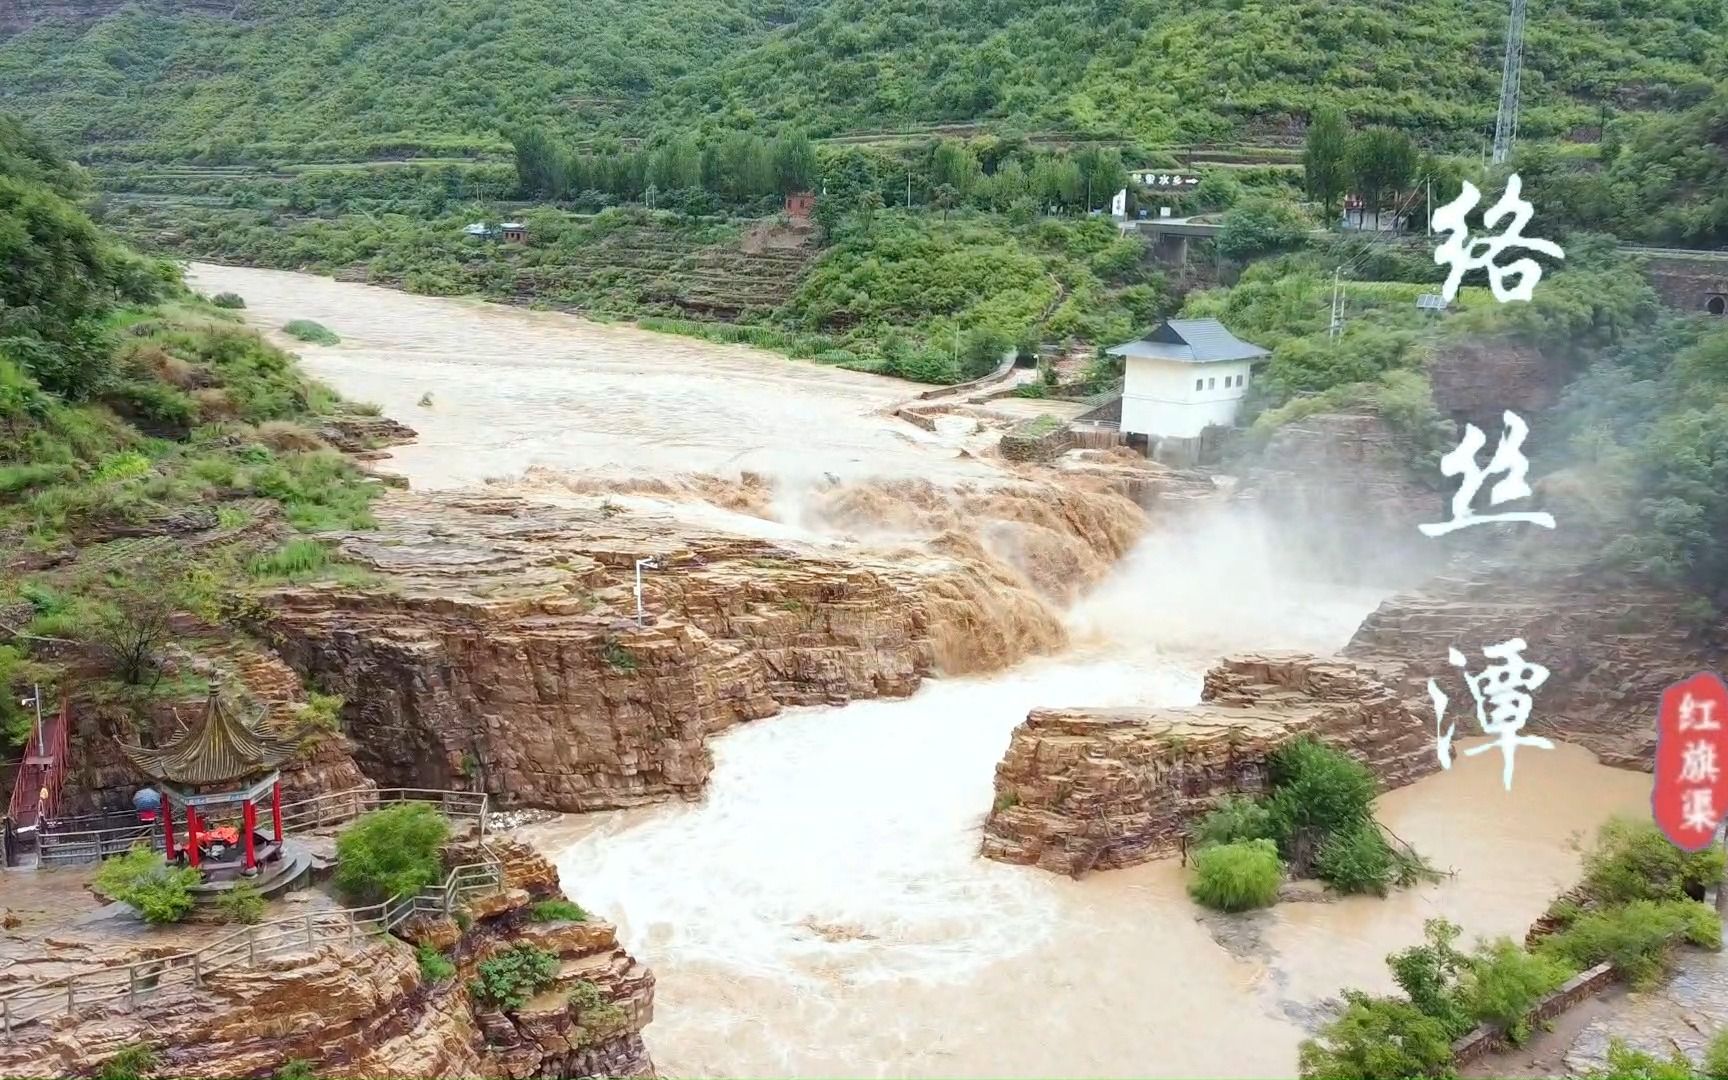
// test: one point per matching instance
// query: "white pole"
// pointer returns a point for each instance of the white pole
(1430, 206)
(640, 563)
(41, 736)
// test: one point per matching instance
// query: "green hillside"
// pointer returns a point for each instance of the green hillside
(301, 79)
(307, 78)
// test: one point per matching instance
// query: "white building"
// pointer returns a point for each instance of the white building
(1183, 376)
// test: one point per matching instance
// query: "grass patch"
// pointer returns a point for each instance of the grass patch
(557, 911)
(311, 332)
(435, 967)
(616, 656)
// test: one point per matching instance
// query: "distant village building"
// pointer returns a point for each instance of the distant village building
(480, 230)
(1183, 376)
(514, 232)
(800, 205)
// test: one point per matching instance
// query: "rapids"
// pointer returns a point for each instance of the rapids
(822, 910)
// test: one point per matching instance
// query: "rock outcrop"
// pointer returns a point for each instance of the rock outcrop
(1342, 487)
(1476, 382)
(366, 1011)
(1095, 789)
(1611, 649)
(498, 648)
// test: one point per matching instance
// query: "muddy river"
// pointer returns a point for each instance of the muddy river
(822, 910)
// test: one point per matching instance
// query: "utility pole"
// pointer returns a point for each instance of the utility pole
(1430, 205)
(908, 189)
(652, 564)
(1511, 73)
(1337, 324)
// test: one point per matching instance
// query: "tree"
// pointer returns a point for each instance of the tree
(868, 204)
(745, 166)
(1260, 226)
(133, 621)
(539, 163)
(955, 165)
(1325, 160)
(389, 853)
(1381, 160)
(945, 197)
(794, 163)
(676, 165)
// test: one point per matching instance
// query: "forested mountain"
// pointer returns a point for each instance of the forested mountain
(287, 76)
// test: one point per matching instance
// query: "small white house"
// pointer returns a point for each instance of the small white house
(1184, 376)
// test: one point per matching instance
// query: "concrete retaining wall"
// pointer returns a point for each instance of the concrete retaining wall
(1485, 1040)
(1017, 446)
(1001, 372)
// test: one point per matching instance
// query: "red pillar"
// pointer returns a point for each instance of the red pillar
(192, 834)
(168, 829)
(249, 821)
(276, 808)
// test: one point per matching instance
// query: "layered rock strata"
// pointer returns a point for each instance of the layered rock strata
(1344, 491)
(498, 647)
(1610, 648)
(366, 1011)
(1095, 789)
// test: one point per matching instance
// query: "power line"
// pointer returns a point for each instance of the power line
(1511, 74)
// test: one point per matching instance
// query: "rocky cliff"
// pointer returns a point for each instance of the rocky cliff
(1094, 789)
(1476, 381)
(99, 779)
(366, 1010)
(498, 648)
(1610, 647)
(1343, 488)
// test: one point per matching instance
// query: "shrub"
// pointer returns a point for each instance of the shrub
(1428, 975)
(508, 980)
(594, 1014)
(1632, 860)
(1503, 983)
(242, 903)
(616, 656)
(435, 967)
(294, 1069)
(1236, 877)
(1377, 1038)
(1317, 791)
(557, 911)
(309, 331)
(390, 852)
(1636, 937)
(1236, 817)
(1356, 859)
(231, 301)
(130, 1063)
(142, 880)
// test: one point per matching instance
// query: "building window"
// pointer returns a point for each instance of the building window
(1210, 383)
(1239, 380)
(1199, 384)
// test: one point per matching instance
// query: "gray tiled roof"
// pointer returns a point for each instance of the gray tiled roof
(1190, 341)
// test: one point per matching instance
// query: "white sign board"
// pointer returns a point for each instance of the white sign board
(1119, 205)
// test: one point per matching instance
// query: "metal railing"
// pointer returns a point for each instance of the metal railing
(58, 846)
(135, 982)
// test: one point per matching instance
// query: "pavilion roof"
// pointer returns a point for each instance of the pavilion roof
(225, 747)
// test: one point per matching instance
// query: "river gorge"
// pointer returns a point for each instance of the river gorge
(816, 904)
